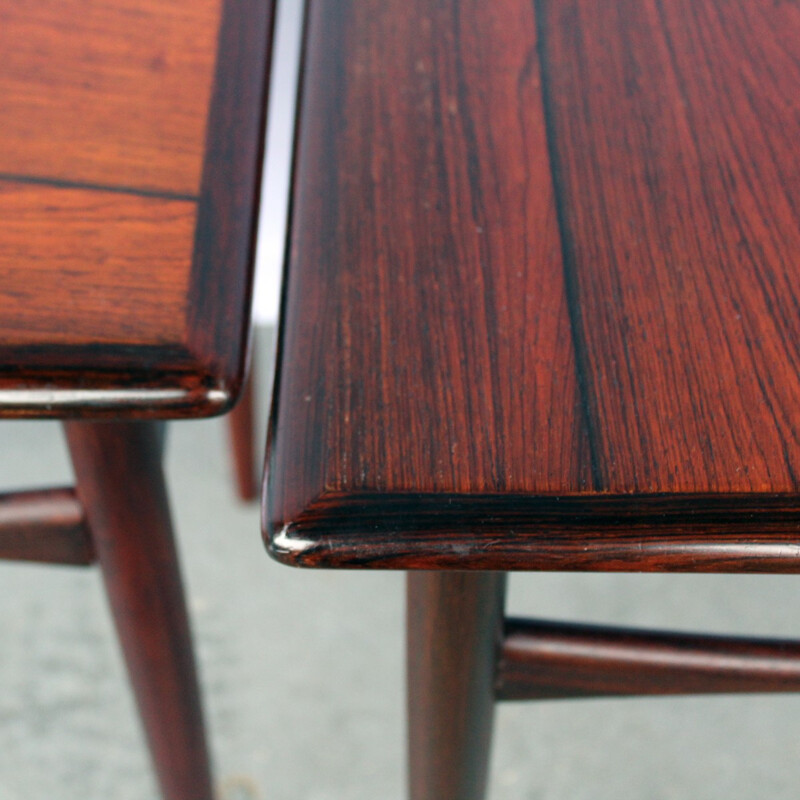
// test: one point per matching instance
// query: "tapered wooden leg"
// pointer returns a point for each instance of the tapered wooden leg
(120, 482)
(455, 622)
(241, 427)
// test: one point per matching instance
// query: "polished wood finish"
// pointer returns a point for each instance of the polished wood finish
(542, 311)
(544, 660)
(736, 533)
(45, 525)
(121, 485)
(53, 292)
(542, 257)
(131, 137)
(454, 635)
(113, 93)
(401, 328)
(678, 196)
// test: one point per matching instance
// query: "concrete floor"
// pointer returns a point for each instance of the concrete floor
(302, 671)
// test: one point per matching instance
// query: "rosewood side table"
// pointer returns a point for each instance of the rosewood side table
(542, 312)
(131, 137)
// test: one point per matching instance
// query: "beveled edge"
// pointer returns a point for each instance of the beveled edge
(203, 377)
(647, 533)
(228, 208)
(143, 390)
(42, 402)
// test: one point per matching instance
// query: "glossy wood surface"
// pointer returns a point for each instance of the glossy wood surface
(674, 134)
(131, 135)
(659, 533)
(107, 93)
(78, 264)
(543, 258)
(44, 525)
(545, 660)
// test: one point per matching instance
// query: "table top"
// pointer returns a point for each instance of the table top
(130, 145)
(544, 280)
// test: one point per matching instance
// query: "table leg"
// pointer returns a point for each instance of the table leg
(120, 482)
(455, 624)
(241, 427)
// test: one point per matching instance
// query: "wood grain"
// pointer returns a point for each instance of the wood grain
(228, 207)
(675, 128)
(540, 252)
(734, 533)
(545, 660)
(113, 93)
(130, 154)
(402, 332)
(89, 267)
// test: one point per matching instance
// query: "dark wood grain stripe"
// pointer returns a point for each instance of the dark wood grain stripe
(97, 187)
(677, 168)
(543, 256)
(79, 336)
(582, 364)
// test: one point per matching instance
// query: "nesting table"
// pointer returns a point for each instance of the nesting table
(542, 312)
(131, 134)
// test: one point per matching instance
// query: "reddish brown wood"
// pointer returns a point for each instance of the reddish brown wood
(454, 635)
(542, 254)
(114, 93)
(241, 427)
(225, 236)
(679, 196)
(46, 525)
(130, 152)
(542, 311)
(121, 486)
(411, 360)
(734, 533)
(545, 660)
(87, 275)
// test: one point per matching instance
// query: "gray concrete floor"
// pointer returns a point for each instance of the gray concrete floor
(302, 671)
